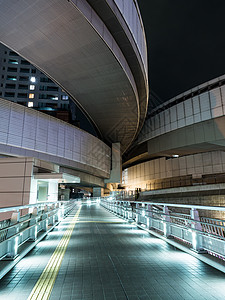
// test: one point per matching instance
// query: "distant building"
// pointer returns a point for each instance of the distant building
(22, 83)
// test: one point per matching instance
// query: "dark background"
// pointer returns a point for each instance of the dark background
(186, 43)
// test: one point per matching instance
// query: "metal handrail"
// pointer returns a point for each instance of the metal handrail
(202, 233)
(19, 231)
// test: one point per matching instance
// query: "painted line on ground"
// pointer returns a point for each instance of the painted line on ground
(43, 288)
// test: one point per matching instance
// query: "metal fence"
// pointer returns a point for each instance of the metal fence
(201, 234)
(185, 181)
(39, 220)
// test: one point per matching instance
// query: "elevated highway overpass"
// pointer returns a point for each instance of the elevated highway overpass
(97, 56)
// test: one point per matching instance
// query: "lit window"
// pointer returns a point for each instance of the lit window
(65, 97)
(13, 61)
(30, 104)
(31, 96)
(33, 79)
(32, 87)
(55, 98)
(11, 77)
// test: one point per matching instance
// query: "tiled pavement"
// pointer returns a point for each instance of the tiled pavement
(109, 259)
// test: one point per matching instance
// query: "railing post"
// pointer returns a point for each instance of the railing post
(45, 219)
(150, 216)
(121, 209)
(12, 245)
(33, 229)
(52, 217)
(196, 236)
(166, 222)
(138, 213)
(57, 215)
(62, 210)
(129, 213)
(117, 208)
(124, 209)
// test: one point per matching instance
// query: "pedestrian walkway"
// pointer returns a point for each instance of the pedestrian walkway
(94, 255)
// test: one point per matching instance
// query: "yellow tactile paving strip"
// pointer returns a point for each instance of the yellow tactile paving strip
(44, 285)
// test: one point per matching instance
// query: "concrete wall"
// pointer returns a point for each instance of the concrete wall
(27, 132)
(200, 137)
(195, 165)
(206, 106)
(15, 181)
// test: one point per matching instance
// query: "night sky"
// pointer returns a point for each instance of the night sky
(186, 43)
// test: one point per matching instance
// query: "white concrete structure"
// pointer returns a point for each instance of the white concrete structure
(26, 132)
(96, 52)
(145, 174)
(99, 61)
(180, 150)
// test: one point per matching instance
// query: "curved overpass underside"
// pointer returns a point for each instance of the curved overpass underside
(70, 43)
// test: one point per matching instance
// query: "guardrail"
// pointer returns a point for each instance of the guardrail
(40, 217)
(183, 223)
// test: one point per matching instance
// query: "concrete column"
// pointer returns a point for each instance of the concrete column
(15, 182)
(98, 192)
(116, 171)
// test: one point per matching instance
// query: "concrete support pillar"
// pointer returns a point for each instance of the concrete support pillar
(116, 171)
(98, 192)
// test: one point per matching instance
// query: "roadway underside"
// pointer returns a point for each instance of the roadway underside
(99, 256)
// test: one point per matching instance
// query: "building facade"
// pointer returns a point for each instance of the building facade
(24, 84)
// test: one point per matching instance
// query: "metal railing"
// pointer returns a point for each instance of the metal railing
(183, 223)
(40, 217)
(185, 181)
